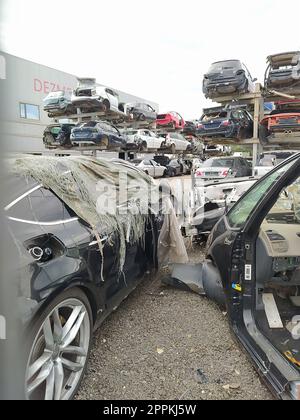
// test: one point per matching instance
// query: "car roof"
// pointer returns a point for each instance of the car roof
(227, 61)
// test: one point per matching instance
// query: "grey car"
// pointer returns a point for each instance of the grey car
(227, 77)
(58, 103)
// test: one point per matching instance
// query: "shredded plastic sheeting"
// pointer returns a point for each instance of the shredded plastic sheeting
(78, 181)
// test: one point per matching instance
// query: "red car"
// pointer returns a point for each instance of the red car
(280, 126)
(171, 120)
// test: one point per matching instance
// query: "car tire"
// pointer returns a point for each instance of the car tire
(70, 306)
(106, 105)
(144, 147)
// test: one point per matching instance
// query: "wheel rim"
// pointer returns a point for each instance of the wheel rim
(59, 353)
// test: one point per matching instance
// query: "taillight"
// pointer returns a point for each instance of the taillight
(226, 123)
(200, 126)
(199, 173)
(225, 173)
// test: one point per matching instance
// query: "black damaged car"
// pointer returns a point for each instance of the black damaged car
(283, 72)
(71, 274)
(252, 267)
(227, 77)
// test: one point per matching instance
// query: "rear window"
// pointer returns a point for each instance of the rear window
(214, 116)
(220, 163)
(41, 205)
(225, 65)
(89, 124)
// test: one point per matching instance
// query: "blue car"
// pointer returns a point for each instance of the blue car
(98, 133)
(228, 122)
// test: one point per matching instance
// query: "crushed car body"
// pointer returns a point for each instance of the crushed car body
(79, 256)
(58, 103)
(283, 72)
(280, 128)
(226, 122)
(227, 77)
(253, 265)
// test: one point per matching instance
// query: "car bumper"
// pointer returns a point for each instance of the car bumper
(218, 132)
(223, 87)
(130, 146)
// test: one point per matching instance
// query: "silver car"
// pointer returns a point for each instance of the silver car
(150, 167)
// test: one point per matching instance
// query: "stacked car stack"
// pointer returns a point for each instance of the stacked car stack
(103, 122)
(231, 84)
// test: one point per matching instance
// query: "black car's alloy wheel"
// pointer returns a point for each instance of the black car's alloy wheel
(59, 348)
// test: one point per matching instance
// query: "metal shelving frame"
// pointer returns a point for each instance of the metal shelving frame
(257, 100)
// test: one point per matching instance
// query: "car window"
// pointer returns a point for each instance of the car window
(220, 163)
(240, 213)
(147, 163)
(41, 206)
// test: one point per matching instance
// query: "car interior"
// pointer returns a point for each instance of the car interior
(278, 275)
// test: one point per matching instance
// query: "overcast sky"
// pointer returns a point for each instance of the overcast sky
(156, 49)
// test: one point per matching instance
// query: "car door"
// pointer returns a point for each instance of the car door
(154, 143)
(145, 135)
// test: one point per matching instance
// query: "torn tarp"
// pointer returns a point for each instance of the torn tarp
(112, 197)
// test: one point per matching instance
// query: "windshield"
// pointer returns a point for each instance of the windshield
(225, 65)
(131, 132)
(214, 116)
(220, 163)
(55, 95)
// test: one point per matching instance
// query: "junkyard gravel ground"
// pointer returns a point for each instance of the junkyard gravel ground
(154, 344)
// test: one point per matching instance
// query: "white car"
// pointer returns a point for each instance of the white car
(150, 167)
(89, 97)
(176, 142)
(146, 139)
(270, 159)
